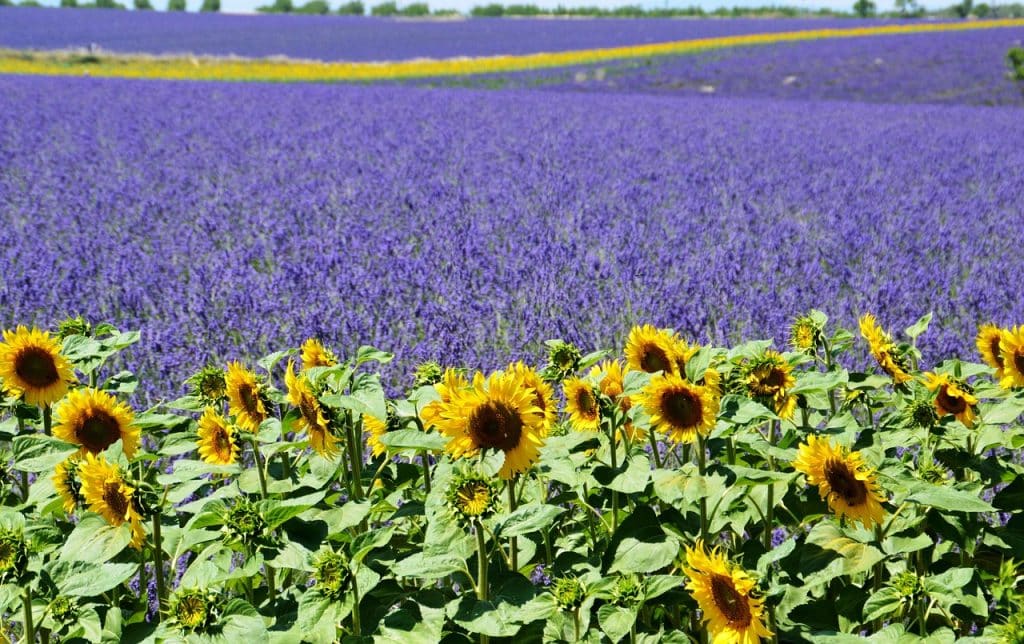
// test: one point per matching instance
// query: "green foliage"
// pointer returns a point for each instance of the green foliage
(317, 7)
(143, 5)
(385, 9)
(279, 6)
(176, 5)
(415, 10)
(1016, 59)
(864, 8)
(354, 8)
(69, 4)
(210, 6)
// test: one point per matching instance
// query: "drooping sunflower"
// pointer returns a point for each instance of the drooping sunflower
(543, 394)
(68, 483)
(452, 381)
(217, 442)
(805, 334)
(1011, 348)
(32, 366)
(884, 349)
(581, 404)
(498, 412)
(725, 593)
(770, 377)
(315, 354)
(245, 397)
(312, 419)
(652, 350)
(682, 351)
(679, 408)
(952, 397)
(95, 420)
(610, 376)
(107, 494)
(989, 338)
(843, 479)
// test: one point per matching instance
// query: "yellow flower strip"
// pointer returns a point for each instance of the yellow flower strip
(284, 70)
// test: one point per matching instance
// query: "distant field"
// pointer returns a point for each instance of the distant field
(355, 38)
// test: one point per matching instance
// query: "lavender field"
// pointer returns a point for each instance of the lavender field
(224, 220)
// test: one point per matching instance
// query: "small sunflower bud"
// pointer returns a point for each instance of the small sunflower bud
(332, 574)
(208, 385)
(426, 374)
(244, 524)
(64, 609)
(76, 325)
(563, 360)
(194, 610)
(472, 495)
(569, 592)
(13, 555)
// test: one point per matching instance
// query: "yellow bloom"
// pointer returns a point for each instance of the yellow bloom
(95, 420)
(652, 350)
(452, 381)
(989, 338)
(376, 428)
(107, 494)
(245, 399)
(679, 408)
(843, 480)
(314, 354)
(312, 419)
(610, 376)
(217, 442)
(498, 412)
(724, 592)
(67, 483)
(883, 349)
(581, 404)
(543, 394)
(1011, 348)
(32, 366)
(951, 398)
(771, 377)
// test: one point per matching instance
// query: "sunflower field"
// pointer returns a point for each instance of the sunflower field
(668, 492)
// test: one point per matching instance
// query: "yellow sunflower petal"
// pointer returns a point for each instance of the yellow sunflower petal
(32, 366)
(95, 420)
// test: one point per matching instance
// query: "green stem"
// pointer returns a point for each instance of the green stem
(357, 626)
(769, 511)
(271, 589)
(426, 470)
(30, 631)
(259, 465)
(355, 441)
(576, 624)
(513, 542)
(615, 495)
(828, 367)
(47, 419)
(481, 568)
(654, 449)
(702, 469)
(158, 565)
(730, 450)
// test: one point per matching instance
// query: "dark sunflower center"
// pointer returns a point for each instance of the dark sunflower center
(36, 367)
(681, 408)
(496, 425)
(115, 499)
(248, 397)
(997, 352)
(308, 408)
(844, 483)
(776, 379)
(732, 604)
(98, 431)
(951, 404)
(654, 359)
(192, 612)
(585, 401)
(1018, 361)
(221, 441)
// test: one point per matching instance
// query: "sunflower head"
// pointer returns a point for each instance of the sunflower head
(569, 592)
(543, 394)
(107, 493)
(726, 596)
(193, 610)
(452, 381)
(94, 420)
(932, 472)
(64, 609)
(67, 483)
(806, 334)
(843, 480)
(426, 374)
(315, 354)
(952, 397)
(472, 495)
(244, 523)
(891, 358)
(245, 397)
(218, 444)
(652, 350)
(377, 428)
(498, 412)
(76, 325)
(989, 338)
(13, 555)
(628, 591)
(582, 404)
(1011, 347)
(920, 412)
(332, 574)
(33, 367)
(208, 385)
(769, 379)
(679, 408)
(313, 419)
(563, 360)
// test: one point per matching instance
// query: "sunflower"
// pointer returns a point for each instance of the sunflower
(312, 418)
(543, 394)
(315, 354)
(107, 494)
(581, 404)
(989, 337)
(452, 381)
(245, 397)
(68, 483)
(376, 428)
(724, 592)
(473, 495)
(94, 420)
(952, 397)
(682, 351)
(610, 376)
(679, 408)
(652, 350)
(770, 378)
(1011, 348)
(498, 412)
(217, 442)
(32, 366)
(883, 349)
(805, 334)
(843, 480)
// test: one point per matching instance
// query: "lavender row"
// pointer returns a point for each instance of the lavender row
(226, 220)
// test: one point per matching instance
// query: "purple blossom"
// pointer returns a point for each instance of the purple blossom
(539, 576)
